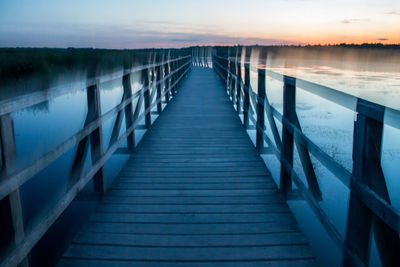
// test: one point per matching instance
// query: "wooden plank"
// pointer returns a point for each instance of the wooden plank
(248, 192)
(272, 197)
(184, 188)
(211, 208)
(179, 165)
(268, 239)
(207, 168)
(194, 174)
(196, 180)
(189, 254)
(192, 186)
(188, 159)
(198, 218)
(190, 229)
(119, 263)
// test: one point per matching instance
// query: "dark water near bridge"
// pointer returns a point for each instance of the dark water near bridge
(330, 126)
(41, 128)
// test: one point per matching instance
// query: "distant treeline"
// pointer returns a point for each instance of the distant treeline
(21, 68)
(366, 45)
(17, 63)
(224, 50)
(364, 57)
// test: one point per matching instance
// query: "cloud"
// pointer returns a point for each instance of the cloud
(382, 39)
(348, 21)
(393, 12)
(122, 36)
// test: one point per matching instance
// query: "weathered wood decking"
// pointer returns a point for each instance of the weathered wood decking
(195, 192)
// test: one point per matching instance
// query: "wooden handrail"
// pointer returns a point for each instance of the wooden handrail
(24, 101)
(11, 181)
(392, 116)
(15, 180)
(377, 205)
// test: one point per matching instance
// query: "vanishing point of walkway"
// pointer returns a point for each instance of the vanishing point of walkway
(194, 193)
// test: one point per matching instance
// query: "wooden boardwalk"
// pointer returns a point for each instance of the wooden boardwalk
(194, 193)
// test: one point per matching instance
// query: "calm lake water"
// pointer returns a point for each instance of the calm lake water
(41, 128)
(330, 126)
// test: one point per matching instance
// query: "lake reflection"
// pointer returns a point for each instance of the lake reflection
(330, 126)
(41, 128)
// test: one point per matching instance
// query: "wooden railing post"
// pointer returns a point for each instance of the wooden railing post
(96, 137)
(246, 104)
(167, 83)
(238, 85)
(159, 78)
(146, 95)
(126, 83)
(11, 217)
(227, 76)
(232, 68)
(173, 78)
(367, 146)
(289, 112)
(203, 63)
(176, 75)
(260, 111)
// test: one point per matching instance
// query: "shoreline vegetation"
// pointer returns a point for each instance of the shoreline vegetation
(17, 62)
(23, 70)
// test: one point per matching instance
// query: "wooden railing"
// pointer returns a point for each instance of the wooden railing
(202, 56)
(369, 199)
(160, 81)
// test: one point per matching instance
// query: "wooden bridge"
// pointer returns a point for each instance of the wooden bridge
(195, 190)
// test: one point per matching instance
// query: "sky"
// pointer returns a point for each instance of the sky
(178, 23)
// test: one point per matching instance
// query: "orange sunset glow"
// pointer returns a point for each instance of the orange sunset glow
(155, 23)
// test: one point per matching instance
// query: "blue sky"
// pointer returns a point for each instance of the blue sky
(176, 23)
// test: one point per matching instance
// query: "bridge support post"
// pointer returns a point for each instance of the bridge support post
(367, 169)
(238, 85)
(246, 91)
(126, 82)
(246, 103)
(167, 82)
(172, 79)
(159, 78)
(146, 94)
(96, 137)
(260, 111)
(227, 75)
(289, 112)
(11, 218)
(232, 69)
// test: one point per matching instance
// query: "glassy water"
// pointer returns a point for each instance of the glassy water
(330, 126)
(41, 128)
